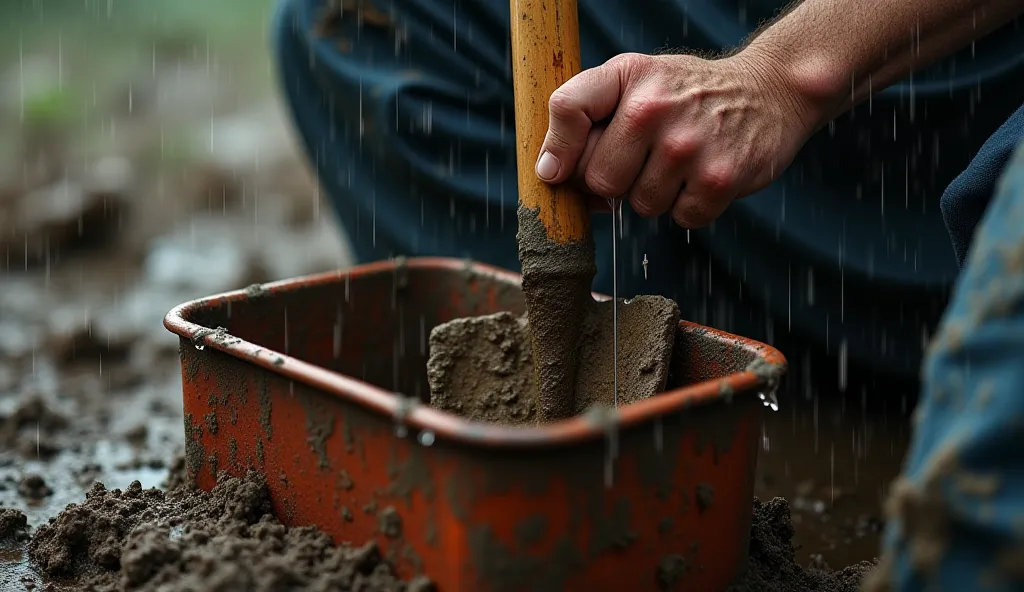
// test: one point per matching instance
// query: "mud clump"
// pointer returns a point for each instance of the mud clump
(13, 525)
(30, 429)
(488, 356)
(34, 487)
(227, 539)
(482, 367)
(772, 565)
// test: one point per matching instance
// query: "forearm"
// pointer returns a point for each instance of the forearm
(834, 53)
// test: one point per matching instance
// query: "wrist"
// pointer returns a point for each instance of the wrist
(809, 82)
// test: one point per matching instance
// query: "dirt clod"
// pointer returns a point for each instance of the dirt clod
(34, 487)
(13, 524)
(228, 539)
(670, 569)
(772, 565)
(390, 522)
(482, 367)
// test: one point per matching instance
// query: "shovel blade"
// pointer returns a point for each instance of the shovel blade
(482, 368)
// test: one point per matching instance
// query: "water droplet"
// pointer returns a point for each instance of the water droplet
(426, 438)
(402, 411)
(200, 346)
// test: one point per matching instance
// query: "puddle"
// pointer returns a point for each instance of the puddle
(833, 457)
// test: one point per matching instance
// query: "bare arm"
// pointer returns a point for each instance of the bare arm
(681, 134)
(835, 53)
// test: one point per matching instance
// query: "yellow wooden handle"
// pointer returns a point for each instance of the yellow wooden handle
(545, 54)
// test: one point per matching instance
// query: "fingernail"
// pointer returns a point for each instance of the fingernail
(547, 166)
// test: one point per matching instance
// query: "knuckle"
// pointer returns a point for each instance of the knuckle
(562, 103)
(556, 141)
(631, 61)
(717, 180)
(639, 112)
(689, 212)
(643, 206)
(600, 184)
(679, 148)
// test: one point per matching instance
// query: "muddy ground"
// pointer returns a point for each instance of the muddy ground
(118, 201)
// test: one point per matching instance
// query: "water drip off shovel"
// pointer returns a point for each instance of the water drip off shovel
(557, 359)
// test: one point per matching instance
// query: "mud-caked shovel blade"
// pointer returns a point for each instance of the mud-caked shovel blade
(481, 368)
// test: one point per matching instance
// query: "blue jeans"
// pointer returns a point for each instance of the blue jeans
(407, 116)
(956, 515)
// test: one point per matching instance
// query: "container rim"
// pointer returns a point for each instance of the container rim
(446, 425)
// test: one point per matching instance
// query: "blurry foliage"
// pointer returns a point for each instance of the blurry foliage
(51, 108)
(73, 62)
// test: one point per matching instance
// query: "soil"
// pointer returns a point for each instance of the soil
(772, 565)
(184, 539)
(13, 525)
(482, 367)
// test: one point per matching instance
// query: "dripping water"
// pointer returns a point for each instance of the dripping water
(614, 204)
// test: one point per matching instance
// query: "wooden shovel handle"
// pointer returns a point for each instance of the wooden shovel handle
(545, 54)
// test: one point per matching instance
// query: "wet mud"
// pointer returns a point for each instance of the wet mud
(184, 539)
(556, 282)
(482, 368)
(772, 565)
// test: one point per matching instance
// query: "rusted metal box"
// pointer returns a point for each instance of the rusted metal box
(299, 380)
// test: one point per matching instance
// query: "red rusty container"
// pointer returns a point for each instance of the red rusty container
(301, 383)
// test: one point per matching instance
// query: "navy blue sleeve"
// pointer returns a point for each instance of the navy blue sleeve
(965, 200)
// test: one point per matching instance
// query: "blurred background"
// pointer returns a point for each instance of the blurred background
(145, 160)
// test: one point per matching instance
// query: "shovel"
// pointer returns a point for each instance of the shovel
(564, 355)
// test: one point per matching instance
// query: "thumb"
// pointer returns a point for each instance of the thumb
(590, 96)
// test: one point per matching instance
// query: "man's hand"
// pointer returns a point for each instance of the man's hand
(674, 132)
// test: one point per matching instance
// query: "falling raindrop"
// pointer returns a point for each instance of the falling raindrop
(402, 410)
(200, 346)
(615, 204)
(645, 265)
(426, 438)
(843, 363)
